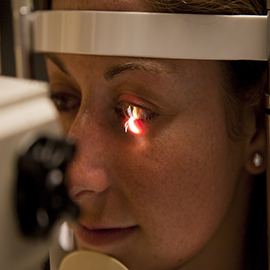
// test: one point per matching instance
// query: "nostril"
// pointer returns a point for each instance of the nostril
(77, 192)
(87, 180)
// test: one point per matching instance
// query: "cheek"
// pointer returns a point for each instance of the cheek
(181, 185)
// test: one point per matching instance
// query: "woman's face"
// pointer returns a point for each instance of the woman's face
(154, 199)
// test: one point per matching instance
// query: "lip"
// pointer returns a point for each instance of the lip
(103, 236)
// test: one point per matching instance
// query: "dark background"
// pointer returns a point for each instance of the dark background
(7, 48)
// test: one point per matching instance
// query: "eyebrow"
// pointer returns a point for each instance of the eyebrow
(134, 64)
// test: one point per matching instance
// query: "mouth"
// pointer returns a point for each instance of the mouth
(103, 236)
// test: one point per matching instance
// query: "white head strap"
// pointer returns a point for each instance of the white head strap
(133, 34)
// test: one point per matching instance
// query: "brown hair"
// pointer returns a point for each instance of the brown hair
(229, 7)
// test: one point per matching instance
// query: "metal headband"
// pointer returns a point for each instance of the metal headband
(133, 34)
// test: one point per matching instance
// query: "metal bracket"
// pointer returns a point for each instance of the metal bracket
(268, 139)
(22, 38)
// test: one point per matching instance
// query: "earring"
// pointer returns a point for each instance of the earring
(257, 160)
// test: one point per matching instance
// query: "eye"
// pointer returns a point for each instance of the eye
(65, 101)
(136, 118)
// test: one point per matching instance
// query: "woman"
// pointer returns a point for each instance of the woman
(188, 191)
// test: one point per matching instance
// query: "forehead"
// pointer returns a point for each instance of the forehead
(114, 5)
(82, 67)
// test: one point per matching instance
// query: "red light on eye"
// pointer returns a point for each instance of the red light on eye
(133, 125)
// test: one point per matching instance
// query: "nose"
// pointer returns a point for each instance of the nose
(89, 173)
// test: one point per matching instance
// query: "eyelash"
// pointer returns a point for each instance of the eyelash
(139, 113)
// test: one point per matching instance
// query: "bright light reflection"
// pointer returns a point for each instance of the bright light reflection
(132, 122)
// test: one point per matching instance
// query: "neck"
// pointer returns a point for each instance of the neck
(228, 247)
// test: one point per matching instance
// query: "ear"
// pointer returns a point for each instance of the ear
(257, 146)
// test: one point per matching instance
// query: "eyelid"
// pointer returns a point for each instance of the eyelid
(63, 86)
(65, 101)
(139, 102)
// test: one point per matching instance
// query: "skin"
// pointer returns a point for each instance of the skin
(183, 185)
